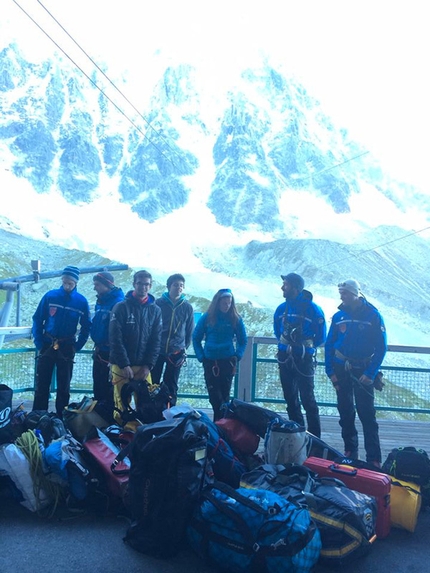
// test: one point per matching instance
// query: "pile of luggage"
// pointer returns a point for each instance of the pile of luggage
(250, 492)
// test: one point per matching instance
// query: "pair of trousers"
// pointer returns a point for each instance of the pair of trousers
(172, 367)
(102, 385)
(219, 376)
(297, 379)
(354, 397)
(63, 360)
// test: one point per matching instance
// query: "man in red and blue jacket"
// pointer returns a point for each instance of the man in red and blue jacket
(355, 348)
(59, 315)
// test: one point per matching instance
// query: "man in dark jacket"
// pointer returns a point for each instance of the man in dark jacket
(55, 326)
(108, 295)
(355, 348)
(299, 326)
(178, 325)
(134, 337)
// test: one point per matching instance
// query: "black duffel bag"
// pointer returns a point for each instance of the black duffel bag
(167, 474)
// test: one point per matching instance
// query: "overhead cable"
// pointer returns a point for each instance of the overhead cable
(95, 84)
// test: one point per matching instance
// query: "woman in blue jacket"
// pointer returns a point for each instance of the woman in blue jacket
(225, 339)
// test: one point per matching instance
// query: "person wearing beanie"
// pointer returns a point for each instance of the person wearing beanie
(108, 295)
(61, 326)
(178, 325)
(299, 325)
(354, 351)
(224, 335)
(134, 339)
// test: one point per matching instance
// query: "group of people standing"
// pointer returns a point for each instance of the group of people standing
(139, 337)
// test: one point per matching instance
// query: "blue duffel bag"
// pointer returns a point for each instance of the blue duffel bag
(253, 531)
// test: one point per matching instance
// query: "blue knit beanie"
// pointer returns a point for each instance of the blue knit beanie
(71, 272)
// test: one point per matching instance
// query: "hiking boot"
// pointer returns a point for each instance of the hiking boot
(376, 464)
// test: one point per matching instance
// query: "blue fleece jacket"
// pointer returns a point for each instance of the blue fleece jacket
(219, 338)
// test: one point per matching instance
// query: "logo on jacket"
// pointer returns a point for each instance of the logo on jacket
(52, 310)
(342, 327)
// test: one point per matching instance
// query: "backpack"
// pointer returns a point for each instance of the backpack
(346, 519)
(226, 467)
(255, 417)
(412, 465)
(253, 531)
(167, 474)
(149, 405)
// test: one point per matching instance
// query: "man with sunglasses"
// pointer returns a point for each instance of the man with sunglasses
(355, 348)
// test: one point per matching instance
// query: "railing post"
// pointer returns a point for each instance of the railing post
(245, 373)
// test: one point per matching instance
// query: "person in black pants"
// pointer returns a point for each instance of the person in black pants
(59, 315)
(299, 326)
(178, 325)
(107, 296)
(355, 348)
(225, 340)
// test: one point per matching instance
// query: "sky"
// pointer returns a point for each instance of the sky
(366, 62)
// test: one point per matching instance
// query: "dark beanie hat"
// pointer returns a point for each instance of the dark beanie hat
(295, 280)
(72, 272)
(105, 278)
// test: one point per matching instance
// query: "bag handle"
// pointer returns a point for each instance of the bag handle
(344, 471)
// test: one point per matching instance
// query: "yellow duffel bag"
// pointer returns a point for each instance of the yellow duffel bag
(405, 504)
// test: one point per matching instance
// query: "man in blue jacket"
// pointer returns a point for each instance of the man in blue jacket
(107, 296)
(299, 326)
(354, 351)
(178, 325)
(55, 326)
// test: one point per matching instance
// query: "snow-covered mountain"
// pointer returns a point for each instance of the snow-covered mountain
(230, 186)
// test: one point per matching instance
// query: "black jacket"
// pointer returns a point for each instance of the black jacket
(178, 324)
(135, 332)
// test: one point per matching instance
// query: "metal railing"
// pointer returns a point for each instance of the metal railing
(406, 375)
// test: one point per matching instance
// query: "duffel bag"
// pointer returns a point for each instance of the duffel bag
(167, 474)
(255, 417)
(345, 518)
(253, 531)
(412, 465)
(240, 436)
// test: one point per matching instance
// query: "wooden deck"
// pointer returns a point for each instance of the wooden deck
(392, 434)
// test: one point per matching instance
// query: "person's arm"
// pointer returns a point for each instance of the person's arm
(277, 320)
(380, 347)
(153, 344)
(189, 327)
(241, 339)
(320, 327)
(329, 349)
(198, 335)
(38, 323)
(85, 322)
(118, 353)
